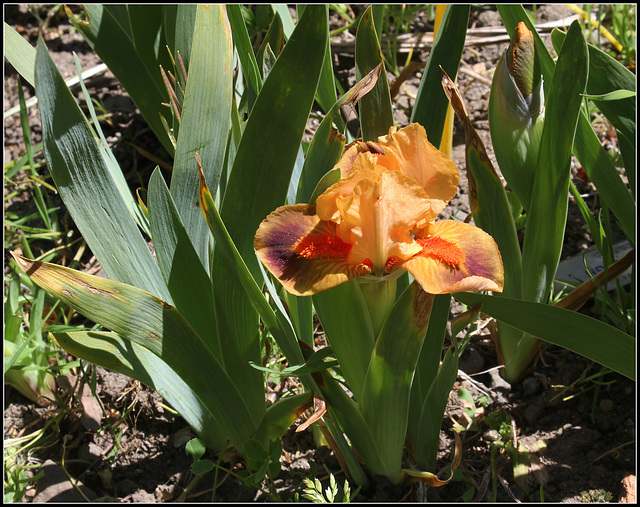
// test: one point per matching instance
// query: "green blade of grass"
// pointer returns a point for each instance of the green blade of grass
(272, 45)
(110, 160)
(20, 54)
(109, 33)
(350, 419)
(600, 169)
(431, 353)
(426, 437)
(179, 261)
(244, 48)
(185, 20)
(26, 135)
(606, 75)
(579, 333)
(86, 185)
(430, 108)
(148, 37)
(280, 416)
(205, 121)
(287, 21)
(375, 114)
(429, 361)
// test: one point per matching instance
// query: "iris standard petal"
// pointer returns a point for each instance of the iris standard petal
(327, 204)
(351, 152)
(422, 161)
(457, 257)
(304, 252)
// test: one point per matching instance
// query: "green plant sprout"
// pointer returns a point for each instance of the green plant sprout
(313, 491)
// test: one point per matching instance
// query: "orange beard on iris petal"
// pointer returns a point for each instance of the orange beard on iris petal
(322, 245)
(441, 249)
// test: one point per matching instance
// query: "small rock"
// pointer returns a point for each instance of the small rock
(491, 435)
(181, 437)
(55, 486)
(301, 466)
(607, 405)
(628, 489)
(140, 497)
(90, 452)
(500, 386)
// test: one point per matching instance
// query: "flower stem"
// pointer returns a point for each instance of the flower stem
(380, 295)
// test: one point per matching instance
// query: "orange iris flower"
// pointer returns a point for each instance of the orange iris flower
(379, 219)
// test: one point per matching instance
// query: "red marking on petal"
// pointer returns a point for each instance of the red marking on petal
(316, 246)
(391, 264)
(441, 249)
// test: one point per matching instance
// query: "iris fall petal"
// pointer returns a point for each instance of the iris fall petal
(457, 257)
(303, 252)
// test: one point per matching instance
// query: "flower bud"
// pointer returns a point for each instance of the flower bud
(521, 60)
(516, 113)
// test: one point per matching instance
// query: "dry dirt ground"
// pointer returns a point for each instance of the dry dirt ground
(581, 435)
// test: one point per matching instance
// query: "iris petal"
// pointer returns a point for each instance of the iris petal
(303, 252)
(457, 257)
(422, 161)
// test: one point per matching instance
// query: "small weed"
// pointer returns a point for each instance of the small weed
(313, 491)
(595, 496)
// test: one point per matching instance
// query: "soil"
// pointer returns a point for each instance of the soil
(580, 435)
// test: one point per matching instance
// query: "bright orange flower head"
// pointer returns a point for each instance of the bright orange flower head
(379, 218)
